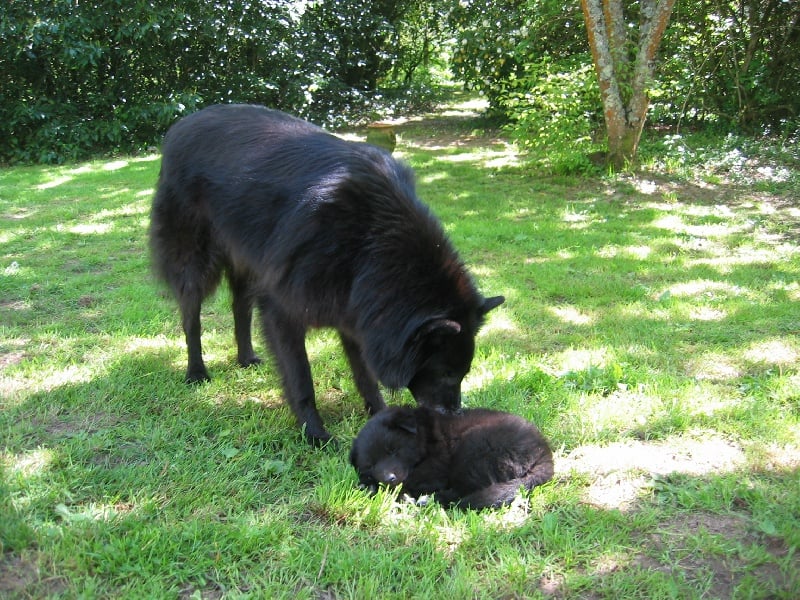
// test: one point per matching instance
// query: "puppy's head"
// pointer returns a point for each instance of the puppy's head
(386, 449)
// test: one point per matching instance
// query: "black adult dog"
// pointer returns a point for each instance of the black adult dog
(477, 459)
(315, 231)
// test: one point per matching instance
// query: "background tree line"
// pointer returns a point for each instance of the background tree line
(82, 77)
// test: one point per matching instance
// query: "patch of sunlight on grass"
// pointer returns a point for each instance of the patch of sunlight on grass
(91, 228)
(623, 471)
(54, 183)
(774, 352)
(704, 287)
(579, 359)
(92, 512)
(434, 177)
(115, 165)
(482, 271)
(571, 314)
(640, 252)
(724, 261)
(565, 254)
(138, 344)
(676, 224)
(70, 375)
(704, 313)
(714, 366)
(487, 157)
(472, 105)
(321, 342)
(791, 289)
(498, 321)
(702, 399)
(29, 464)
(644, 186)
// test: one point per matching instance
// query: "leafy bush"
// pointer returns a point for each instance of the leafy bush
(731, 64)
(111, 75)
(555, 113)
(531, 61)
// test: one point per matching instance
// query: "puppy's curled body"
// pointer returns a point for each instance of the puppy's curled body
(478, 458)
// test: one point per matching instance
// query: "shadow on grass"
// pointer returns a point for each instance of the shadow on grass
(128, 481)
(151, 488)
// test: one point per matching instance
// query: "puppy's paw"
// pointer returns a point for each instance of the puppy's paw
(421, 501)
(371, 488)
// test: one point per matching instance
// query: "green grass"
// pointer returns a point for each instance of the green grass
(650, 329)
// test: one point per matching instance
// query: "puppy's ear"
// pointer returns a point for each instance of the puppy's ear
(405, 421)
(490, 303)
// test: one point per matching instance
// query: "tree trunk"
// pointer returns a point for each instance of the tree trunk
(623, 85)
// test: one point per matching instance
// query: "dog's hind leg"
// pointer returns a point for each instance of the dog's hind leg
(242, 318)
(196, 371)
(190, 298)
(365, 382)
(186, 258)
(286, 339)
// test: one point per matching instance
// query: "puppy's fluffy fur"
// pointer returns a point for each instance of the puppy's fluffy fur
(477, 459)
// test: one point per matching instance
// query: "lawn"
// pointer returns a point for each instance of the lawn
(650, 329)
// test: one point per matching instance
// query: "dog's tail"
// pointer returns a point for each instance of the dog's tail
(504, 492)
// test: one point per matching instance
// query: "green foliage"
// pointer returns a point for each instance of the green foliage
(530, 60)
(733, 63)
(82, 78)
(85, 77)
(729, 63)
(497, 41)
(554, 112)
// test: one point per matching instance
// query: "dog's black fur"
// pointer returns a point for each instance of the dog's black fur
(316, 232)
(477, 459)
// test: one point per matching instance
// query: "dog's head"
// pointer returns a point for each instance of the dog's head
(444, 349)
(386, 449)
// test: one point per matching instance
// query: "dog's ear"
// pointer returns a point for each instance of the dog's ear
(405, 421)
(441, 326)
(490, 303)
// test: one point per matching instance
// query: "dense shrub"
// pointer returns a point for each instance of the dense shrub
(731, 64)
(81, 78)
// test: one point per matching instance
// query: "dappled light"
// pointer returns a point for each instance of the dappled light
(498, 321)
(114, 165)
(648, 330)
(91, 228)
(714, 366)
(612, 251)
(780, 352)
(571, 314)
(35, 463)
(623, 472)
(708, 289)
(706, 313)
(54, 183)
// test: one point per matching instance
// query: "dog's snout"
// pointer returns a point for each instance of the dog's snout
(390, 478)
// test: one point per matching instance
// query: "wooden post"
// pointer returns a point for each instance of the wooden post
(382, 135)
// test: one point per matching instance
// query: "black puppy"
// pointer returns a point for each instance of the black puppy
(476, 459)
(315, 231)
